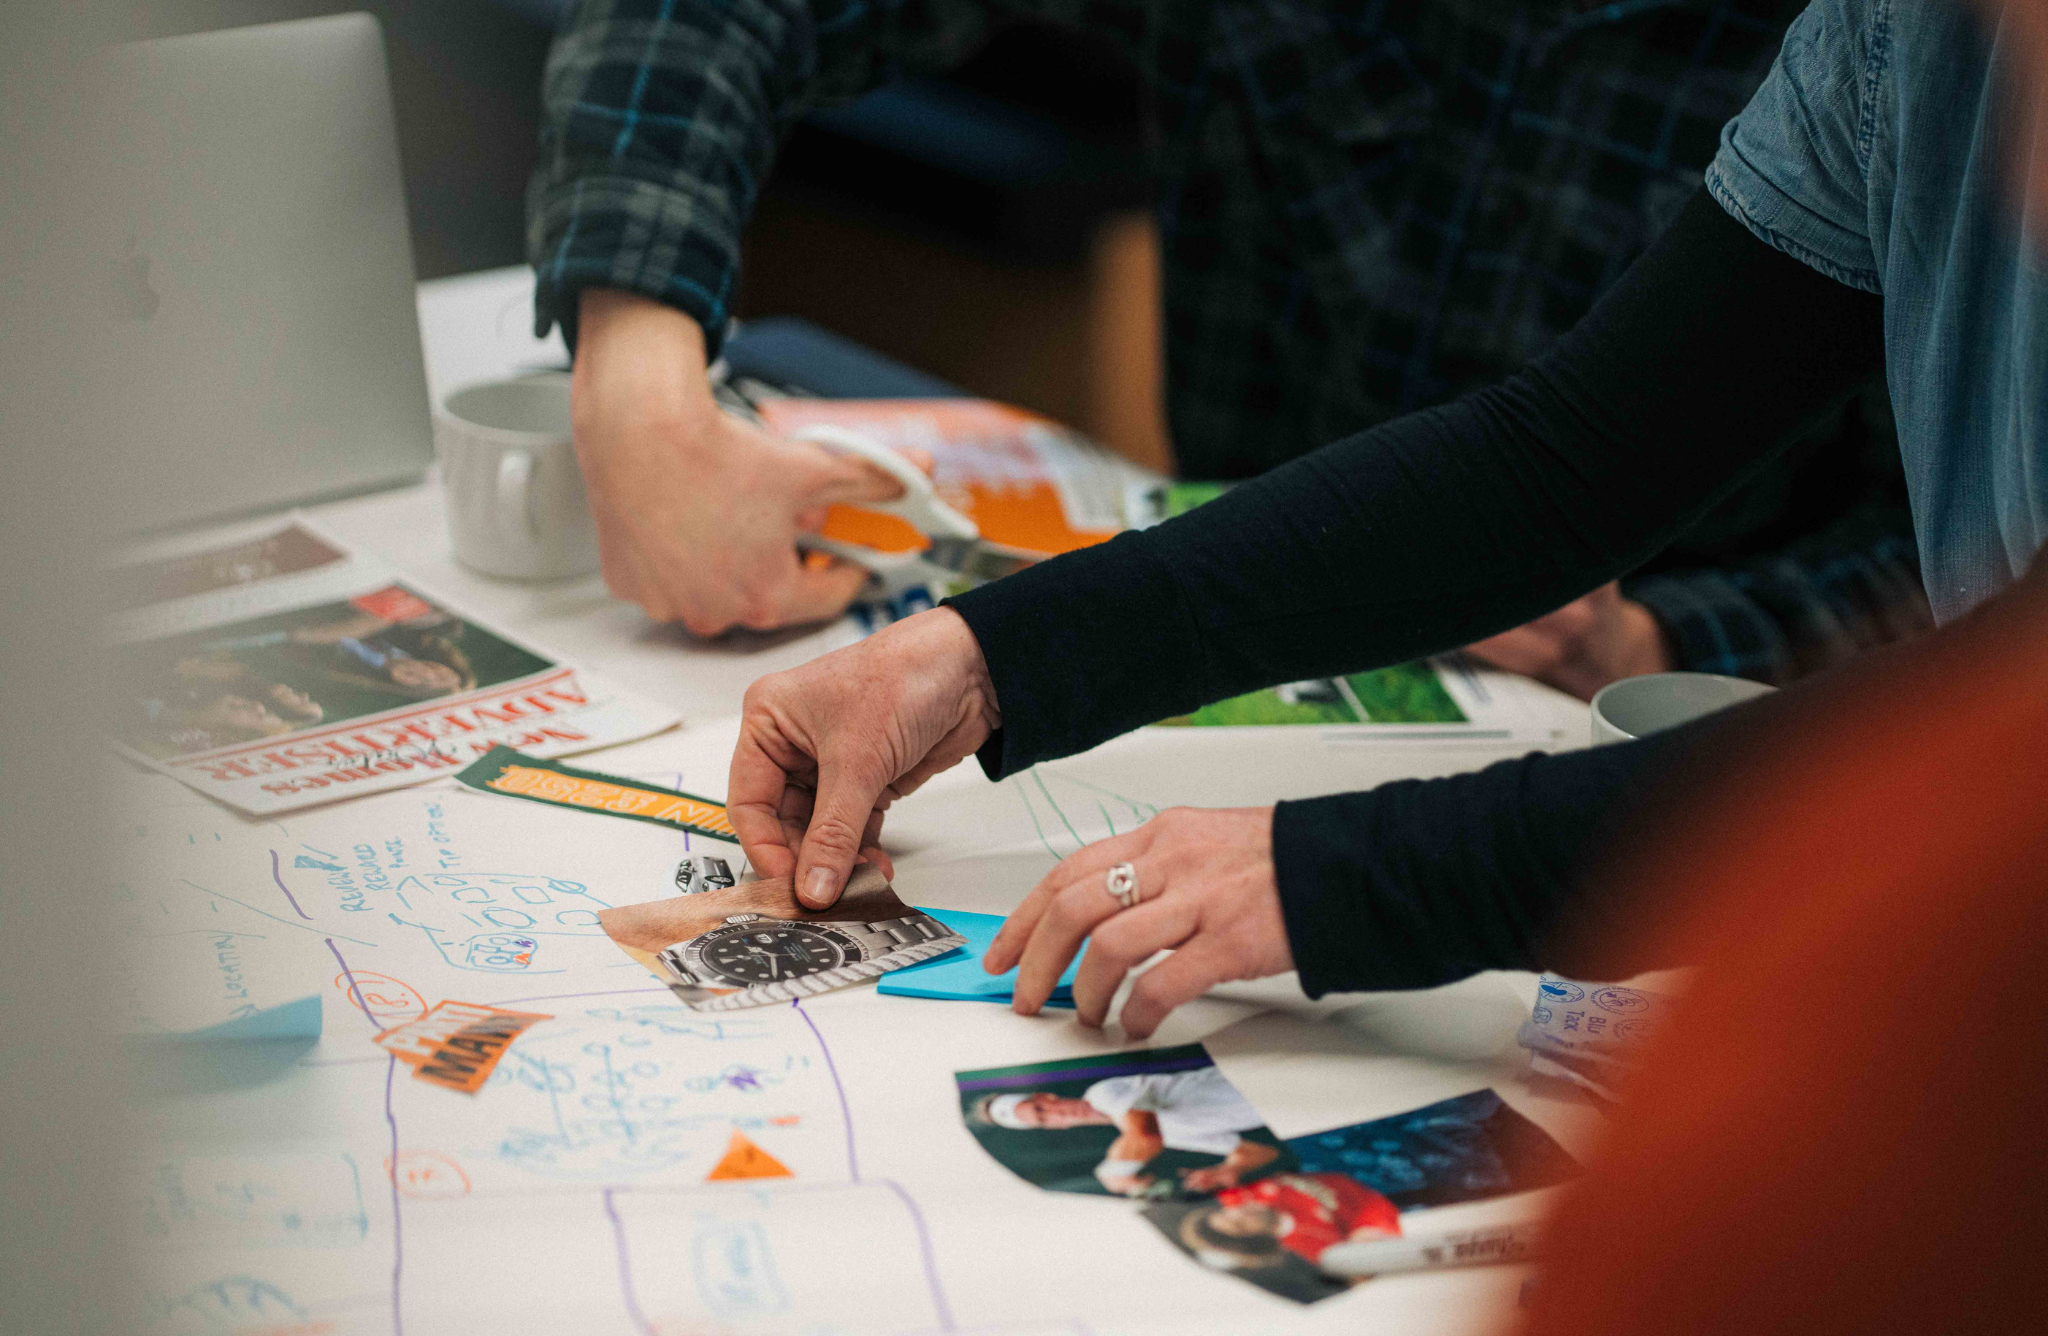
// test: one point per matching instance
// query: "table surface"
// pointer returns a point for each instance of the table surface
(997, 1257)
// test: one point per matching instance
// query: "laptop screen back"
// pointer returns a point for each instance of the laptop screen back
(258, 293)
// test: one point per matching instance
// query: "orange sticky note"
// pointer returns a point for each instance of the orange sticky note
(457, 1044)
(744, 1159)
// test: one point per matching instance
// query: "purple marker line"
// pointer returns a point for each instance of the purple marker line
(397, 1222)
(391, 1166)
(845, 1111)
(274, 876)
(924, 1246)
(355, 992)
(625, 1265)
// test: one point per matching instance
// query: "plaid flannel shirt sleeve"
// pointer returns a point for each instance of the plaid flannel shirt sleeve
(661, 117)
(1778, 617)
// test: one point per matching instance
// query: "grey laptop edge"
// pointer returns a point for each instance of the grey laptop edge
(259, 294)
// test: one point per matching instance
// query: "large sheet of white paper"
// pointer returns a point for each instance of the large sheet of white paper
(632, 1166)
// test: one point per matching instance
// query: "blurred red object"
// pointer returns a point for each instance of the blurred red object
(1845, 1127)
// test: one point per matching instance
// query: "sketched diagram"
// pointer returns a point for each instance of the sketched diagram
(494, 921)
(221, 1202)
(1069, 814)
(227, 1304)
(594, 1098)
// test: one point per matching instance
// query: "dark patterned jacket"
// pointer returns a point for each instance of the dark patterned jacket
(1365, 208)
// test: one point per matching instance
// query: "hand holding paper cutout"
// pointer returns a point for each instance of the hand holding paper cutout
(1207, 892)
(826, 747)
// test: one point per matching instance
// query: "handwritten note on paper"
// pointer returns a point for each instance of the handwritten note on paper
(457, 1044)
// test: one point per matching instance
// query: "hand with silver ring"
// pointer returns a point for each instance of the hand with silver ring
(1121, 881)
(1196, 881)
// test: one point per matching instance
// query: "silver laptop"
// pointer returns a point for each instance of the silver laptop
(259, 283)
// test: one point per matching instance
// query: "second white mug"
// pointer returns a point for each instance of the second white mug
(1636, 707)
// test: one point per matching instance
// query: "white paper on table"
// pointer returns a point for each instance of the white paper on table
(574, 1191)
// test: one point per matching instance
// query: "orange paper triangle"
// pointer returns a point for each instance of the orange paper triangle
(744, 1159)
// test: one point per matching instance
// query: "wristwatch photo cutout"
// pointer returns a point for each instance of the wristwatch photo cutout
(752, 950)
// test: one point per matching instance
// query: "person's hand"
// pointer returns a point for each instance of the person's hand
(1208, 891)
(697, 512)
(1247, 1158)
(826, 747)
(1584, 645)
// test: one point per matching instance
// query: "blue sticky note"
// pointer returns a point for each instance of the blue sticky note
(289, 1020)
(958, 976)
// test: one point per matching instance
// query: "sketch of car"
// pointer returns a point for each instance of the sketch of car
(699, 873)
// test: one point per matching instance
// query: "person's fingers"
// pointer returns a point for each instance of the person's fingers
(811, 594)
(840, 813)
(1093, 861)
(625, 576)
(1126, 941)
(1067, 919)
(795, 814)
(755, 789)
(871, 845)
(1181, 977)
(837, 480)
(703, 622)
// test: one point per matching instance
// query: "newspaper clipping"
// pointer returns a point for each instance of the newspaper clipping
(286, 671)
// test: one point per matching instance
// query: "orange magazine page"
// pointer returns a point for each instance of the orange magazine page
(1004, 468)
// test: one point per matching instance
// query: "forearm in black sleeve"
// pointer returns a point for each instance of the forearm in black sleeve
(1421, 882)
(1444, 526)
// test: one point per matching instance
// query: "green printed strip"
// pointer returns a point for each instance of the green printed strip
(503, 770)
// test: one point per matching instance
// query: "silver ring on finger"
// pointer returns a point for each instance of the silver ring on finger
(1121, 882)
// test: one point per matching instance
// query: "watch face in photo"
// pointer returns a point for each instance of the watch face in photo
(780, 951)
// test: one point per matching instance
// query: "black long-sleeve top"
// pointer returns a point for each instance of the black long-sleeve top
(1427, 532)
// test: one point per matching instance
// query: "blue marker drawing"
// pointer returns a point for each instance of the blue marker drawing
(735, 1271)
(485, 952)
(511, 902)
(493, 922)
(293, 1201)
(669, 1019)
(229, 1304)
(616, 1094)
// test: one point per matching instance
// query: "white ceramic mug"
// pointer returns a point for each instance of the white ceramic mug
(1636, 707)
(516, 506)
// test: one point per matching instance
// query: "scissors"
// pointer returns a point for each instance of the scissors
(954, 545)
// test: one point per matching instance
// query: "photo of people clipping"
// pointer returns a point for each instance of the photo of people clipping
(1358, 1184)
(1159, 1124)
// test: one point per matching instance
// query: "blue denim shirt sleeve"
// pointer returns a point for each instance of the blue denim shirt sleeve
(1793, 166)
